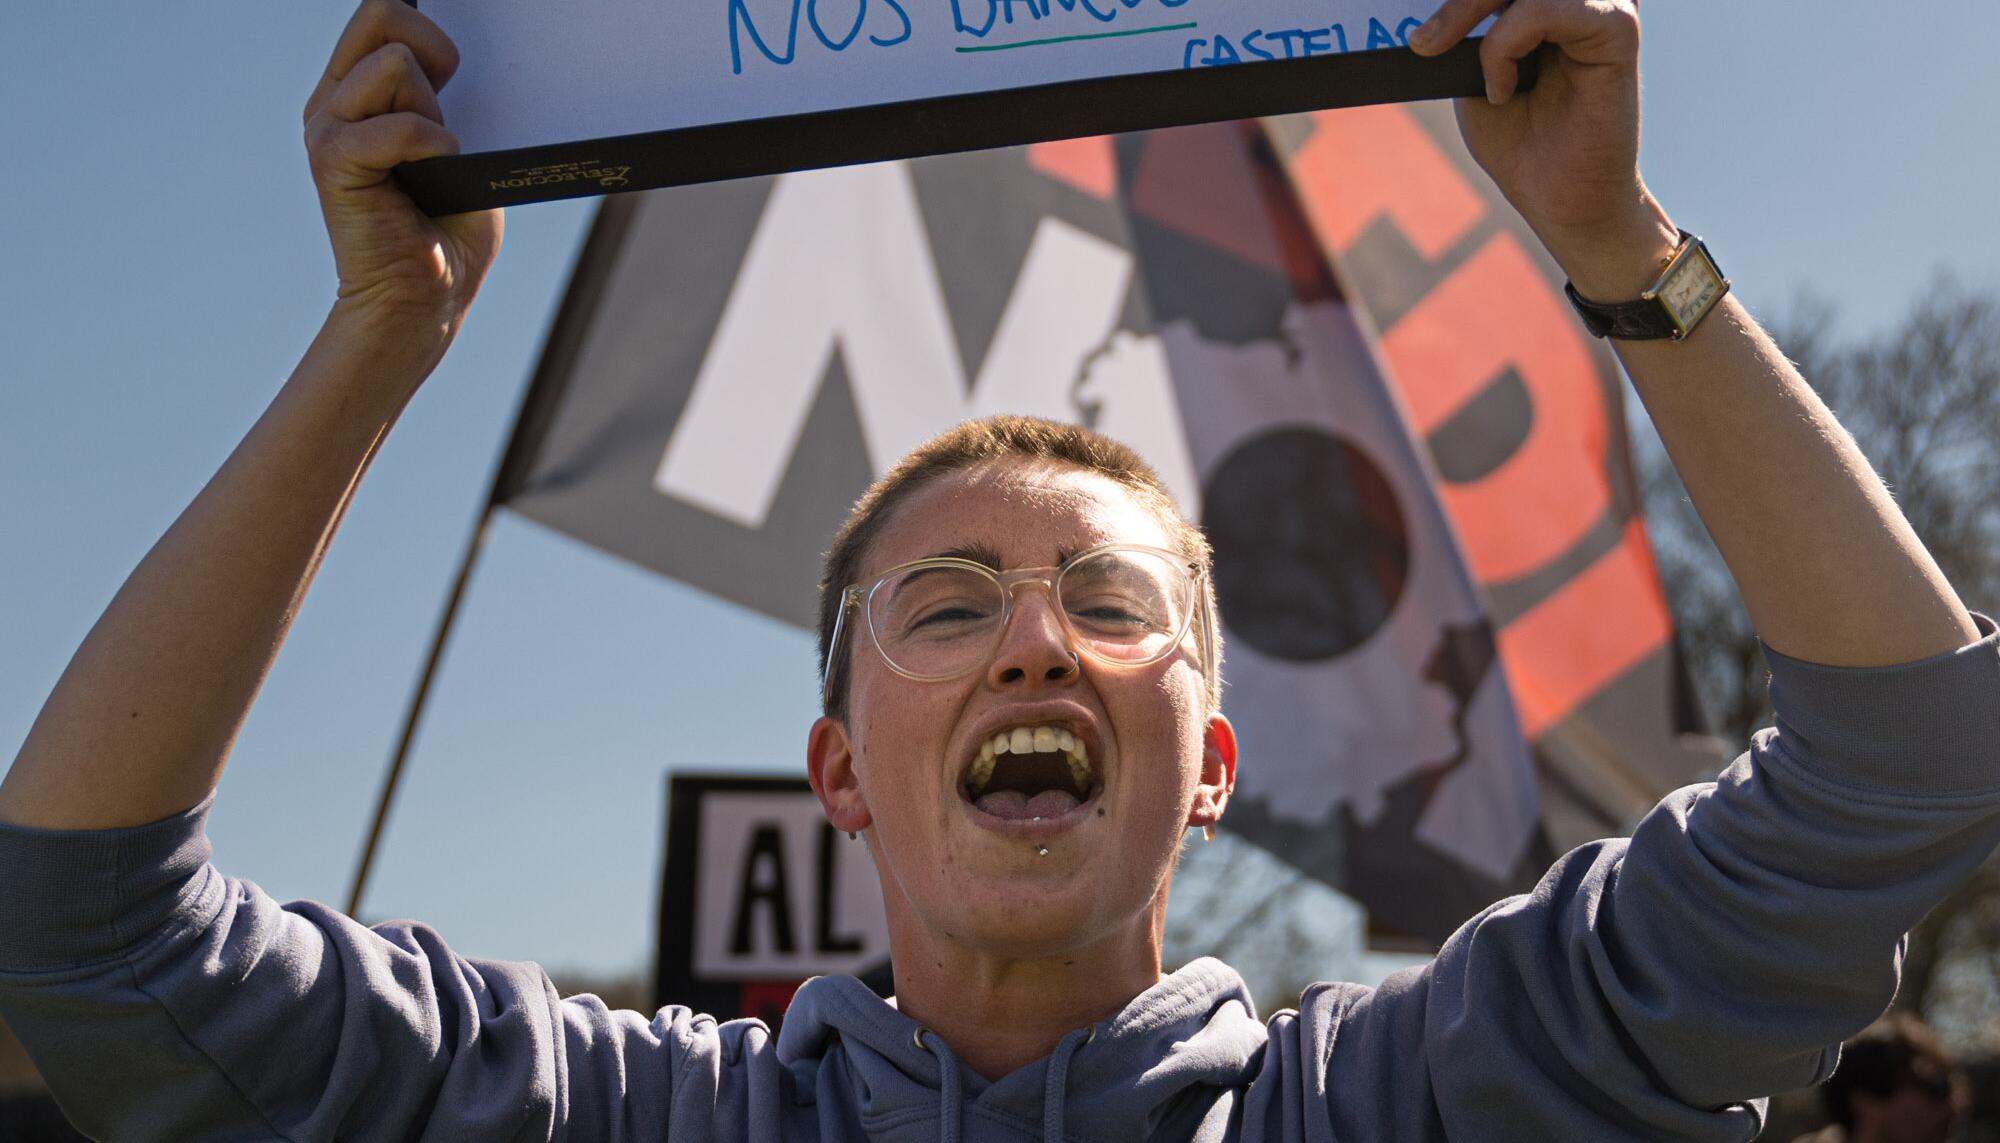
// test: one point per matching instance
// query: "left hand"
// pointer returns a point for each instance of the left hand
(1565, 154)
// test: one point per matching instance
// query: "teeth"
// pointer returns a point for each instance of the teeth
(1079, 770)
(982, 770)
(1079, 763)
(1032, 740)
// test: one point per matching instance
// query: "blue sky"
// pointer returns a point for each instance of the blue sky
(162, 265)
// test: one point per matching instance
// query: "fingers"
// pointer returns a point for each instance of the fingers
(383, 113)
(1587, 31)
(1509, 41)
(1590, 31)
(351, 155)
(377, 23)
(1452, 22)
(389, 79)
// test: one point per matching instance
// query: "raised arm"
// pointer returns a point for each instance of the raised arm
(141, 722)
(1828, 567)
(1660, 986)
(162, 1000)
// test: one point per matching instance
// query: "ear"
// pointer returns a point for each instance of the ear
(1218, 773)
(830, 768)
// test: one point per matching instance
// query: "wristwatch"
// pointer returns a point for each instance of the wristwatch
(1687, 289)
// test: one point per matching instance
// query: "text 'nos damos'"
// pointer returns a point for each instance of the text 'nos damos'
(781, 32)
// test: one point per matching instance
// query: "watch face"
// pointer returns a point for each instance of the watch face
(1693, 287)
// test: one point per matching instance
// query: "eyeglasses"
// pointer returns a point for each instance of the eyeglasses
(942, 618)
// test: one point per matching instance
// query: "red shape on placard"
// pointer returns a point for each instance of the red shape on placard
(1087, 164)
(1361, 163)
(767, 999)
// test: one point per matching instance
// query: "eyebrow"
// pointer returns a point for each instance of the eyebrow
(977, 553)
(990, 557)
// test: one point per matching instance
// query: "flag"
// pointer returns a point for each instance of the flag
(1524, 415)
(735, 362)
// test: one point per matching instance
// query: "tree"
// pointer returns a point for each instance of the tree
(1922, 399)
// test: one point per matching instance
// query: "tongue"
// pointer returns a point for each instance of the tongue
(1017, 806)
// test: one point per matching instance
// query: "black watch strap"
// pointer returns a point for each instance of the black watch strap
(1649, 317)
(1641, 320)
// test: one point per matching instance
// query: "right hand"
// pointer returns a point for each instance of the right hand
(375, 107)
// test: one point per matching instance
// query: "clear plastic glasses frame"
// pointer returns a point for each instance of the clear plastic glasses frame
(1100, 639)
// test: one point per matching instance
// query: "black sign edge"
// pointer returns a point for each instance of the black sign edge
(974, 121)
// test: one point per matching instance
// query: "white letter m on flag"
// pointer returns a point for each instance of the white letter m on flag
(840, 261)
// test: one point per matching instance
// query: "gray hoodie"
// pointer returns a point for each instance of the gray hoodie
(1648, 988)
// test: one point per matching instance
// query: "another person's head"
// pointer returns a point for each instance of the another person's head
(1070, 843)
(1895, 1084)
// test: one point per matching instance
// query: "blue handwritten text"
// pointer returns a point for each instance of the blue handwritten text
(983, 18)
(834, 30)
(1290, 43)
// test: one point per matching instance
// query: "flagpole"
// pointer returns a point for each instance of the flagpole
(415, 712)
(532, 417)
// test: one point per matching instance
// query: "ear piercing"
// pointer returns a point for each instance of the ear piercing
(1041, 851)
(1208, 833)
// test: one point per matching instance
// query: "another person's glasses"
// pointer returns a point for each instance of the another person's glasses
(941, 618)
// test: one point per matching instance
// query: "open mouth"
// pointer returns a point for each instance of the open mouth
(1027, 772)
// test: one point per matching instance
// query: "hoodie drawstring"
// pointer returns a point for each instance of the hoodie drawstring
(951, 1101)
(1055, 1089)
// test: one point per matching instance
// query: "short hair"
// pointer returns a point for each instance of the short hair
(1894, 1051)
(996, 439)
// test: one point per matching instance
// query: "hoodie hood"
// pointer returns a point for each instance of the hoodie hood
(1118, 1079)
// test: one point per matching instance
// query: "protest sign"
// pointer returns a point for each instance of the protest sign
(560, 101)
(758, 894)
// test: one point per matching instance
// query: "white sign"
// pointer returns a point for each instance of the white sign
(535, 73)
(552, 100)
(780, 894)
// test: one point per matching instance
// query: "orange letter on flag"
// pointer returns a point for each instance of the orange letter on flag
(1495, 313)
